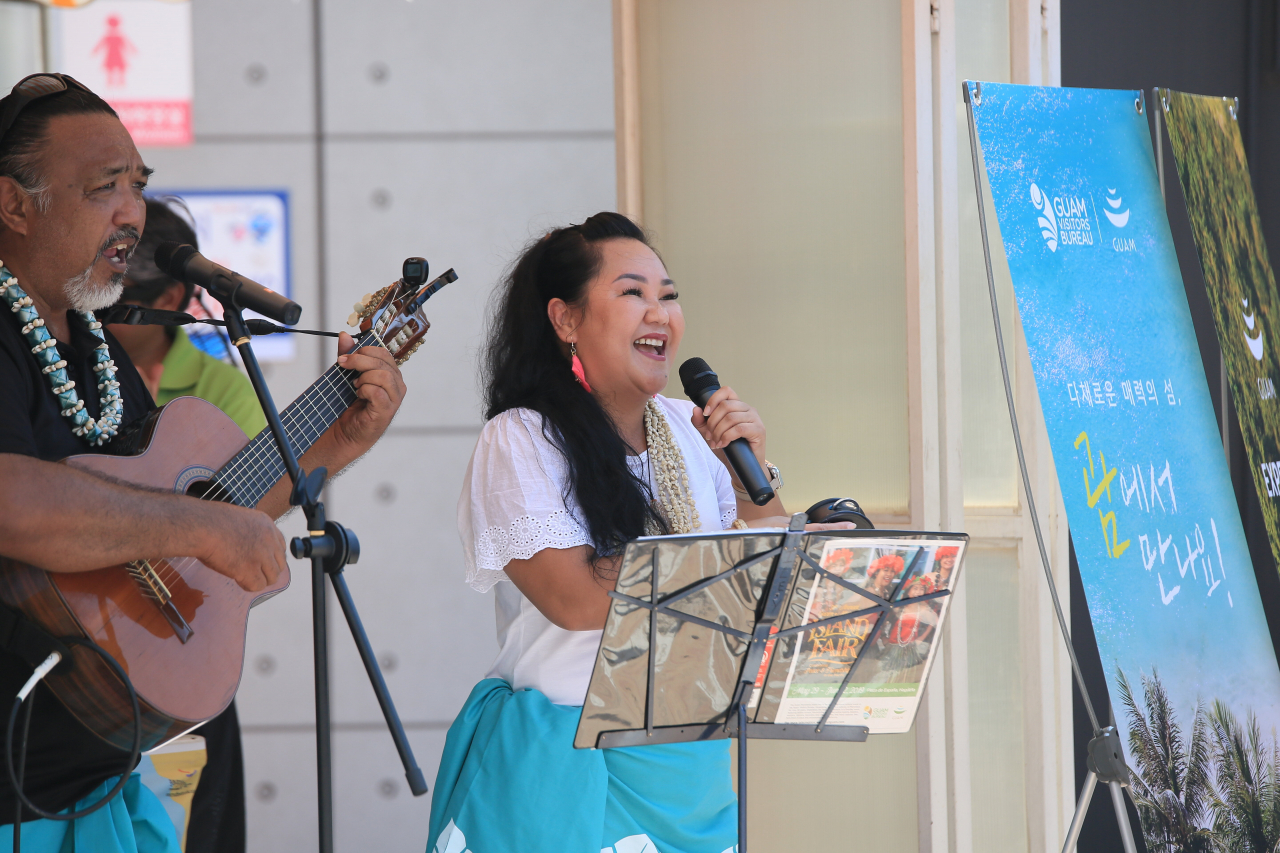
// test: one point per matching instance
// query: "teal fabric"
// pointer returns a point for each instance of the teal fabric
(510, 781)
(133, 822)
(161, 786)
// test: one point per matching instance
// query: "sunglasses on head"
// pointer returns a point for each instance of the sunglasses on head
(33, 88)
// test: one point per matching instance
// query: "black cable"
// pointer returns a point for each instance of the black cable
(222, 336)
(134, 755)
(266, 327)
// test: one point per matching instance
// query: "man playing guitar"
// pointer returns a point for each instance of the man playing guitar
(71, 213)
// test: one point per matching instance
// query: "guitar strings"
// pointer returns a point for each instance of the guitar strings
(304, 407)
(290, 418)
(264, 479)
(262, 449)
(261, 452)
(298, 413)
(315, 401)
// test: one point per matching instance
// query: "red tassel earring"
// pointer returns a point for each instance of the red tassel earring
(578, 372)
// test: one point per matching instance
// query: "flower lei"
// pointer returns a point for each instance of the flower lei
(675, 502)
(45, 348)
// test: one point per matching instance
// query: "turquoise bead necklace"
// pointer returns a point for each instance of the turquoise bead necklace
(45, 348)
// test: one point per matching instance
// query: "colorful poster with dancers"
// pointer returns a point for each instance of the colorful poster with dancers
(1215, 180)
(892, 650)
(1167, 574)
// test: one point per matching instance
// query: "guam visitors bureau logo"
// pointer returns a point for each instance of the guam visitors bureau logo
(1072, 220)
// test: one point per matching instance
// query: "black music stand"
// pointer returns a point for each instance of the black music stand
(752, 589)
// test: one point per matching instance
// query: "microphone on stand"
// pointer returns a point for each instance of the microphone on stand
(184, 263)
(700, 382)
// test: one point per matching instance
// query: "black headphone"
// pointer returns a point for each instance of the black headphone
(839, 509)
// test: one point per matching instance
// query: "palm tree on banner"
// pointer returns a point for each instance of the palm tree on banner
(1171, 787)
(1247, 806)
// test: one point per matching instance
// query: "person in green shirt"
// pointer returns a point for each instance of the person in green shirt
(188, 371)
(172, 367)
(170, 364)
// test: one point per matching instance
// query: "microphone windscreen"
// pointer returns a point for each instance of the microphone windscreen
(697, 376)
(171, 257)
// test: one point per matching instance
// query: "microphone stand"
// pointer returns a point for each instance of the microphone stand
(330, 547)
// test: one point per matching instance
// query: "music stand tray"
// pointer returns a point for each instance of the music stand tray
(764, 631)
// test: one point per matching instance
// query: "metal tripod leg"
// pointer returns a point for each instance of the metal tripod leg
(1104, 762)
(1122, 817)
(1082, 808)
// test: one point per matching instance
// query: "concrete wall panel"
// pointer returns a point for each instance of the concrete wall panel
(485, 65)
(253, 67)
(469, 204)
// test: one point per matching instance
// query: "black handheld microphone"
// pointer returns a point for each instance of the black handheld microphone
(700, 382)
(184, 263)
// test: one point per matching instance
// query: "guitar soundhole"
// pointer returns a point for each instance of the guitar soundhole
(209, 490)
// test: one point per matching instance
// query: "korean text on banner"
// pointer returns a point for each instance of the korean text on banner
(1166, 570)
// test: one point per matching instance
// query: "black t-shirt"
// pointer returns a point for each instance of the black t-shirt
(65, 761)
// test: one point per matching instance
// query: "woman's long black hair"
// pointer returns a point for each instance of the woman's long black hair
(525, 366)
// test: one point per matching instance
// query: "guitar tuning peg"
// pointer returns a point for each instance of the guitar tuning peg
(354, 319)
(359, 306)
(366, 299)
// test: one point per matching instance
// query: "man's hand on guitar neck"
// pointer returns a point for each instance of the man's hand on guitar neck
(380, 390)
(65, 520)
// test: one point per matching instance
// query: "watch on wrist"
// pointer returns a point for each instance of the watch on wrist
(775, 481)
(775, 476)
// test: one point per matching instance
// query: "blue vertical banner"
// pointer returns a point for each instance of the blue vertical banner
(1149, 500)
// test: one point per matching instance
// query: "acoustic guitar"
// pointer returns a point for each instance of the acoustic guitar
(176, 626)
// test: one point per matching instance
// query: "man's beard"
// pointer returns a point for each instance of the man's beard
(84, 295)
(80, 291)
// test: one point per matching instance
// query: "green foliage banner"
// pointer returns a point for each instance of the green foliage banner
(1215, 180)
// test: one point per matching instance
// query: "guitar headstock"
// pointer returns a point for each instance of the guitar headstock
(395, 312)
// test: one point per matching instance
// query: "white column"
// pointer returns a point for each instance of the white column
(933, 370)
(955, 667)
(626, 107)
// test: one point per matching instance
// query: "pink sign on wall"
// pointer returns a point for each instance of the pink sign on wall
(136, 54)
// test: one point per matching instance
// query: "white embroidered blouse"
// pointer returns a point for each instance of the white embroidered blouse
(515, 502)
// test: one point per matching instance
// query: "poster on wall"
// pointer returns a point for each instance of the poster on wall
(135, 54)
(246, 231)
(1214, 175)
(1153, 518)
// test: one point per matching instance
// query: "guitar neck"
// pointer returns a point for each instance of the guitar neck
(257, 467)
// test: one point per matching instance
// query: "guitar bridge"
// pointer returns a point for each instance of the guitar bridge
(154, 588)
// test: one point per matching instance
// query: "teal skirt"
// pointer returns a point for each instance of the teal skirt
(510, 781)
(133, 822)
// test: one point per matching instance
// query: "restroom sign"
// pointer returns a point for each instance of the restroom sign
(135, 54)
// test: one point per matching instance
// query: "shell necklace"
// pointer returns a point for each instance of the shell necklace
(45, 348)
(674, 502)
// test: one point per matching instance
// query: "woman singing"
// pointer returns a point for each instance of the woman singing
(580, 455)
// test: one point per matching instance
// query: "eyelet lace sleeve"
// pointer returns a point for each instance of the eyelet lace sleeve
(512, 504)
(521, 539)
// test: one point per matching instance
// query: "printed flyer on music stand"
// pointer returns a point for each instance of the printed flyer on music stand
(891, 671)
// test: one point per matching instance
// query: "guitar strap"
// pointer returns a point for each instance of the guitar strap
(26, 639)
